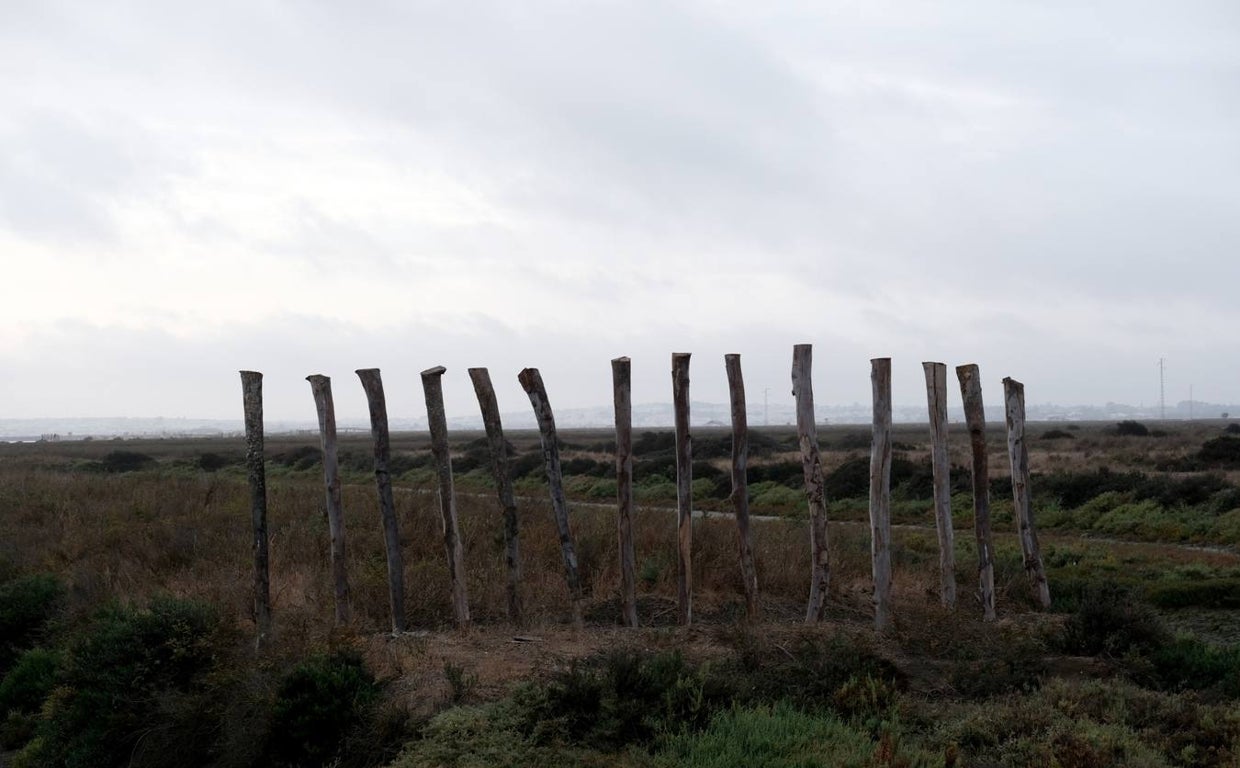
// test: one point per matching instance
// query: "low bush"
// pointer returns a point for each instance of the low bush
(1207, 593)
(1110, 620)
(319, 703)
(126, 692)
(124, 461)
(1132, 428)
(1188, 663)
(27, 605)
(22, 693)
(1057, 434)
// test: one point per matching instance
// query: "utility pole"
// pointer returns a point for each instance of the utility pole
(1162, 391)
(1190, 402)
(766, 407)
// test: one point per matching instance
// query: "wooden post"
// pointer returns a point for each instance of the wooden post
(532, 383)
(684, 486)
(432, 387)
(740, 483)
(880, 491)
(621, 379)
(321, 388)
(1018, 455)
(503, 484)
(373, 384)
(936, 399)
(811, 468)
(252, 398)
(975, 418)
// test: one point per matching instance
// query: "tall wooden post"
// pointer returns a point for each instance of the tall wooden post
(740, 483)
(432, 388)
(936, 399)
(811, 468)
(684, 485)
(252, 398)
(321, 388)
(373, 384)
(621, 379)
(1018, 455)
(975, 418)
(503, 483)
(532, 383)
(880, 490)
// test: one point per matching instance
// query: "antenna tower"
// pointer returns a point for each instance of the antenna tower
(1162, 390)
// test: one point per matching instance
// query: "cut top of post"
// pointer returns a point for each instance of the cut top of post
(436, 371)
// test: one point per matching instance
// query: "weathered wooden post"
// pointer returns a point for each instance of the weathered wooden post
(373, 384)
(811, 467)
(503, 483)
(975, 418)
(621, 378)
(740, 483)
(321, 388)
(532, 383)
(684, 485)
(432, 388)
(252, 398)
(880, 490)
(1018, 455)
(936, 399)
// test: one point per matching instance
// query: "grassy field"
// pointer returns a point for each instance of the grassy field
(126, 635)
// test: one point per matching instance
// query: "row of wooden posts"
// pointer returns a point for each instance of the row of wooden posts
(531, 382)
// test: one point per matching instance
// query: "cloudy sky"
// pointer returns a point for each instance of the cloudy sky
(188, 189)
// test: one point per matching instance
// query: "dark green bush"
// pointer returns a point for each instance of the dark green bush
(30, 680)
(1207, 593)
(1220, 452)
(27, 605)
(1110, 620)
(1057, 434)
(318, 705)
(213, 462)
(125, 461)
(1189, 663)
(1132, 429)
(125, 695)
(300, 458)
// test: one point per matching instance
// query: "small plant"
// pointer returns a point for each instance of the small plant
(1057, 434)
(125, 461)
(460, 682)
(1109, 620)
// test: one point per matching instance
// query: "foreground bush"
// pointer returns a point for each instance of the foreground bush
(318, 705)
(27, 605)
(1110, 620)
(126, 693)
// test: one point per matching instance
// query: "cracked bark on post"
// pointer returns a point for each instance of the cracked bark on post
(975, 418)
(532, 383)
(811, 468)
(252, 398)
(936, 400)
(372, 383)
(880, 491)
(432, 387)
(684, 486)
(503, 484)
(740, 483)
(621, 377)
(1018, 456)
(321, 388)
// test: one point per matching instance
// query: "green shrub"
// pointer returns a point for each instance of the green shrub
(27, 605)
(1110, 620)
(318, 704)
(1132, 429)
(1057, 434)
(125, 693)
(22, 693)
(1207, 593)
(124, 461)
(1189, 663)
(1220, 452)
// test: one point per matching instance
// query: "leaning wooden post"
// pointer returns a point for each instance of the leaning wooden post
(880, 490)
(936, 399)
(1018, 455)
(432, 387)
(321, 388)
(532, 383)
(621, 378)
(252, 397)
(373, 384)
(811, 468)
(740, 482)
(503, 484)
(684, 485)
(975, 418)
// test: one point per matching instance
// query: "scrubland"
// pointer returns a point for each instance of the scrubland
(126, 635)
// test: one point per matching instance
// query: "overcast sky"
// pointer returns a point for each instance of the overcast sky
(1051, 190)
